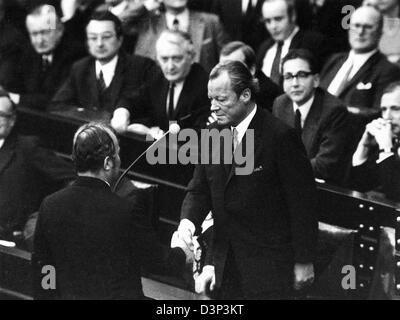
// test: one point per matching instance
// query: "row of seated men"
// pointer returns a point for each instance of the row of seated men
(132, 90)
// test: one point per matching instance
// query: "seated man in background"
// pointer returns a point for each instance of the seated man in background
(46, 65)
(205, 29)
(280, 19)
(358, 77)
(103, 81)
(376, 162)
(178, 94)
(96, 241)
(319, 117)
(28, 172)
(239, 51)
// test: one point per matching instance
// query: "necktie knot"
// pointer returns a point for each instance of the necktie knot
(175, 24)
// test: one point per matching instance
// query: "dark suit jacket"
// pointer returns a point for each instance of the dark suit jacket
(383, 177)
(325, 134)
(192, 110)
(248, 29)
(28, 172)
(81, 90)
(313, 41)
(269, 91)
(12, 45)
(207, 34)
(268, 218)
(365, 89)
(37, 87)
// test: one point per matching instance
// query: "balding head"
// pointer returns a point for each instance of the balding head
(366, 26)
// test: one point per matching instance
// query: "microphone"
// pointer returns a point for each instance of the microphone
(174, 128)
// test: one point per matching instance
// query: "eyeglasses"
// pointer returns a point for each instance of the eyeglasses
(363, 27)
(301, 75)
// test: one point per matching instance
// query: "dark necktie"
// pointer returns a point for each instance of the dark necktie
(45, 63)
(175, 24)
(275, 72)
(101, 83)
(297, 122)
(171, 100)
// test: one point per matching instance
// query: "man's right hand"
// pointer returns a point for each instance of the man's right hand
(185, 233)
(206, 280)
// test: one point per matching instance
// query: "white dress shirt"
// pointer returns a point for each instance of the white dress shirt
(245, 5)
(354, 61)
(304, 109)
(244, 125)
(271, 53)
(108, 70)
(119, 8)
(183, 18)
(177, 93)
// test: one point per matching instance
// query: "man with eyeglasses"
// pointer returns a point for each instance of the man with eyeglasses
(45, 65)
(319, 117)
(28, 172)
(359, 77)
(103, 81)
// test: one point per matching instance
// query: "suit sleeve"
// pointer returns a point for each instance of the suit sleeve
(300, 193)
(332, 159)
(389, 171)
(41, 257)
(197, 203)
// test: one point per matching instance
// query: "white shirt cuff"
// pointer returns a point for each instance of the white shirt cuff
(187, 224)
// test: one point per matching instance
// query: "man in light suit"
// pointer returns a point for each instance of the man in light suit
(205, 30)
(103, 81)
(320, 118)
(265, 222)
(359, 77)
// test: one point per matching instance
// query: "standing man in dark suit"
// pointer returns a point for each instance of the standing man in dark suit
(96, 241)
(319, 117)
(265, 223)
(242, 20)
(280, 17)
(28, 172)
(103, 81)
(179, 93)
(46, 65)
(376, 162)
(239, 51)
(359, 77)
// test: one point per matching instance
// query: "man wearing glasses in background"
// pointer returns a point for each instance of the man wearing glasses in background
(103, 81)
(359, 77)
(319, 117)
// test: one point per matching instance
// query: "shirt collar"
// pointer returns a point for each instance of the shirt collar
(304, 108)
(119, 8)
(289, 39)
(244, 125)
(356, 57)
(1, 143)
(108, 68)
(183, 18)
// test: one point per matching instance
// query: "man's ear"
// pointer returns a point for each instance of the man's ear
(316, 80)
(246, 95)
(108, 163)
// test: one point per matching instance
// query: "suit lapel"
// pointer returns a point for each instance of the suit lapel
(196, 30)
(256, 125)
(7, 152)
(91, 85)
(117, 81)
(360, 73)
(331, 74)
(312, 120)
(296, 41)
